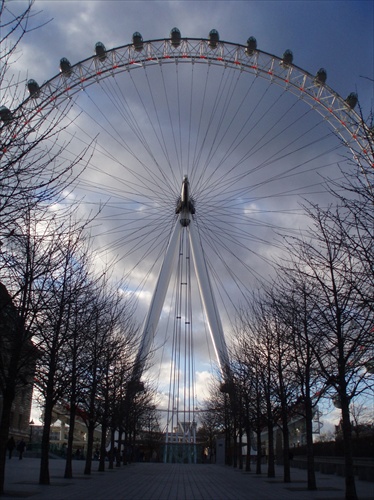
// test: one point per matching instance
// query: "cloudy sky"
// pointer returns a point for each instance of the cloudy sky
(336, 35)
(253, 152)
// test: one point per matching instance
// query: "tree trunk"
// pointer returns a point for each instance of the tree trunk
(102, 447)
(228, 460)
(271, 465)
(312, 484)
(248, 457)
(111, 451)
(44, 461)
(4, 435)
(240, 448)
(350, 485)
(286, 454)
(286, 443)
(235, 451)
(69, 450)
(259, 451)
(90, 435)
(270, 426)
(73, 407)
(118, 451)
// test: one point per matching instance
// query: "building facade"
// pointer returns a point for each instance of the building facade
(14, 345)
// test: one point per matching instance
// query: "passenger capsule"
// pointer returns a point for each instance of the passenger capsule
(65, 67)
(352, 100)
(135, 386)
(337, 401)
(287, 58)
(213, 39)
(175, 36)
(5, 114)
(369, 365)
(321, 76)
(100, 51)
(33, 88)
(251, 46)
(137, 41)
(227, 387)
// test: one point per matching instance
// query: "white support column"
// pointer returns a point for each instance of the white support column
(209, 303)
(158, 299)
(185, 209)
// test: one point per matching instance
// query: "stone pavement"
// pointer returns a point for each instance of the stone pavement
(154, 481)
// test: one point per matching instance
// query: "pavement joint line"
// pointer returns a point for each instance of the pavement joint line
(156, 481)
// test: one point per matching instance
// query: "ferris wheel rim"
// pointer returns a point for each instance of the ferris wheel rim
(344, 120)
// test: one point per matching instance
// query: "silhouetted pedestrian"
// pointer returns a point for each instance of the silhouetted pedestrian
(11, 445)
(21, 448)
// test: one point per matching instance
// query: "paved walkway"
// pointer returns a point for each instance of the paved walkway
(153, 481)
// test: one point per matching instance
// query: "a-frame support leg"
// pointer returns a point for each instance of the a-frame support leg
(157, 302)
(209, 303)
(185, 211)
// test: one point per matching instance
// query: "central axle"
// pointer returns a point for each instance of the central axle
(185, 205)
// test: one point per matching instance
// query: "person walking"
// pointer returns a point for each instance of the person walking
(21, 448)
(11, 445)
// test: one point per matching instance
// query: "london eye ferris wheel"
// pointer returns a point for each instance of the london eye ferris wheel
(204, 152)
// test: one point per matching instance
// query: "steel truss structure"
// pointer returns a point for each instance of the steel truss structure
(333, 108)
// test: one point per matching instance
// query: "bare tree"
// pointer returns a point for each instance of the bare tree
(117, 401)
(34, 173)
(295, 306)
(94, 356)
(353, 223)
(33, 169)
(149, 430)
(142, 412)
(264, 344)
(219, 412)
(210, 428)
(106, 358)
(26, 260)
(362, 418)
(244, 367)
(272, 340)
(120, 347)
(76, 343)
(247, 355)
(343, 320)
(55, 324)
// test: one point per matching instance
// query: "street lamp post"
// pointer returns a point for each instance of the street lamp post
(31, 423)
